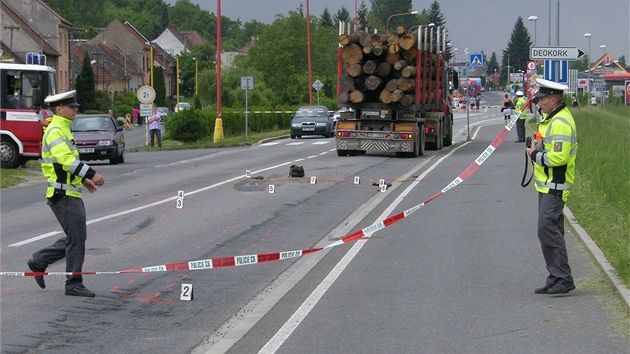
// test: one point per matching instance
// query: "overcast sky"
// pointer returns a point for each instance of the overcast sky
(483, 24)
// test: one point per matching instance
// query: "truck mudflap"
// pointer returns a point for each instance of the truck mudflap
(368, 144)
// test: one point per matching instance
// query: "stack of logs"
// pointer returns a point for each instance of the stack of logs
(382, 68)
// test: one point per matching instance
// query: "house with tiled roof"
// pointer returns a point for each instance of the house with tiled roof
(130, 43)
(32, 26)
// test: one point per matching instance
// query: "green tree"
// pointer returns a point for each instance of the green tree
(282, 60)
(326, 18)
(580, 65)
(622, 61)
(363, 15)
(159, 85)
(492, 65)
(437, 17)
(517, 51)
(86, 91)
(383, 9)
(342, 15)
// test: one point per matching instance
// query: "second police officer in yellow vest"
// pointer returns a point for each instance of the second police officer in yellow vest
(554, 172)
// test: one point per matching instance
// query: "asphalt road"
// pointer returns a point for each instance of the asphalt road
(457, 275)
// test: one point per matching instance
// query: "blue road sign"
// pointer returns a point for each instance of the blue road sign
(476, 60)
(550, 68)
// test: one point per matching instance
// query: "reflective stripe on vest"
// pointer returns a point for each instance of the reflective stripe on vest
(556, 186)
(65, 187)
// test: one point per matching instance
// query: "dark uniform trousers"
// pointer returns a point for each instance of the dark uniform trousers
(551, 236)
(520, 129)
(70, 212)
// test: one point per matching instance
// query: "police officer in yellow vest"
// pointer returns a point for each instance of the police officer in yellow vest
(520, 124)
(554, 172)
(66, 176)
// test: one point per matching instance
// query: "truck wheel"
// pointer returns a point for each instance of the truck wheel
(342, 153)
(10, 153)
(448, 139)
(421, 142)
(292, 136)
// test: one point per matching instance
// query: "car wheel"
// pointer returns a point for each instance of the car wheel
(121, 158)
(9, 153)
(292, 136)
(114, 160)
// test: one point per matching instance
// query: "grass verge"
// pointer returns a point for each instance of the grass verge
(600, 199)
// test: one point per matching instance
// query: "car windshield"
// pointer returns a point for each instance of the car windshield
(91, 124)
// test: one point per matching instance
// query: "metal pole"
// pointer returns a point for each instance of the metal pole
(246, 106)
(467, 103)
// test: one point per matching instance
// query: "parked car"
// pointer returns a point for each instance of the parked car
(181, 106)
(312, 120)
(99, 137)
(164, 113)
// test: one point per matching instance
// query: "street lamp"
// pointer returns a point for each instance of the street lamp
(394, 15)
(589, 66)
(534, 18)
(603, 46)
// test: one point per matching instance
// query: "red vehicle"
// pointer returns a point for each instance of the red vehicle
(23, 88)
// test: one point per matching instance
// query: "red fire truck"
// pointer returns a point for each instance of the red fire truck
(23, 88)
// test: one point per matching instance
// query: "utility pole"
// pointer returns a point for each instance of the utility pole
(12, 28)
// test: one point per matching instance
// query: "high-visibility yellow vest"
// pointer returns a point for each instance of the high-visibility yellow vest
(520, 102)
(60, 160)
(555, 160)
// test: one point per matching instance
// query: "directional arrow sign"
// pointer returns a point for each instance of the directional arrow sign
(555, 53)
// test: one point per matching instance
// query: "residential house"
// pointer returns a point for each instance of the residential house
(32, 26)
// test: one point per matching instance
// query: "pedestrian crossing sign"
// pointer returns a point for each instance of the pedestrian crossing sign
(476, 60)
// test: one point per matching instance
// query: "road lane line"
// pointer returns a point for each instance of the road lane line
(147, 206)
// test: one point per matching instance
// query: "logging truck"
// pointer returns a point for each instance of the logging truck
(393, 92)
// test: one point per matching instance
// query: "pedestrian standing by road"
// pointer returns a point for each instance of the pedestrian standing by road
(507, 109)
(575, 102)
(520, 124)
(135, 114)
(66, 174)
(155, 127)
(554, 171)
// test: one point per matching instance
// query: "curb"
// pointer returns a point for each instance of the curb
(597, 253)
(271, 139)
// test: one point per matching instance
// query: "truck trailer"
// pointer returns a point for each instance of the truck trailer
(393, 92)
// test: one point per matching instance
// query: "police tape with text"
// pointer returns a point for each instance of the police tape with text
(233, 261)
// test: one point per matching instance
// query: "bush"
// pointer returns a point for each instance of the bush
(189, 125)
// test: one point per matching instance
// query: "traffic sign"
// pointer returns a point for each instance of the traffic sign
(555, 53)
(318, 85)
(476, 60)
(247, 82)
(146, 94)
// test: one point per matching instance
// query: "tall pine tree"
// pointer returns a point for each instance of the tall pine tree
(86, 90)
(517, 52)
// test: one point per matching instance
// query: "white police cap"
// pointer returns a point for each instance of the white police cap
(547, 87)
(62, 99)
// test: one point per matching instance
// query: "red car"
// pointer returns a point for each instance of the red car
(99, 137)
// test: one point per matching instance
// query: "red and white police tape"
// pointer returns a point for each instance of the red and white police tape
(235, 261)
